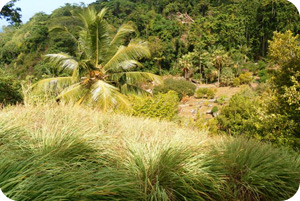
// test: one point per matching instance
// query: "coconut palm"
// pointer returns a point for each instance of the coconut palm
(186, 63)
(103, 69)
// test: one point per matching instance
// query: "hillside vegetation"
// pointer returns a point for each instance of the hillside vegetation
(151, 100)
(71, 153)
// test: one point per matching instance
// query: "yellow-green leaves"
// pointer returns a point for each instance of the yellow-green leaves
(284, 47)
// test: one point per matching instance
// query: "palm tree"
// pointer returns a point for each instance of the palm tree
(186, 64)
(220, 60)
(102, 71)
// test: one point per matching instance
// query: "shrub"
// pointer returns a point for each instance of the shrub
(205, 93)
(263, 75)
(263, 88)
(246, 78)
(10, 91)
(222, 99)
(240, 115)
(256, 67)
(236, 82)
(226, 77)
(256, 171)
(161, 106)
(214, 109)
(247, 115)
(182, 87)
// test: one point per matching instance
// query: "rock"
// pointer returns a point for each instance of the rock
(215, 114)
(149, 91)
(193, 111)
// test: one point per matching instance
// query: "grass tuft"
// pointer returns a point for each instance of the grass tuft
(71, 153)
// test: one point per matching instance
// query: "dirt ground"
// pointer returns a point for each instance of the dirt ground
(189, 105)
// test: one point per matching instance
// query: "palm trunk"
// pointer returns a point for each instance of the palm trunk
(219, 72)
(200, 71)
(186, 74)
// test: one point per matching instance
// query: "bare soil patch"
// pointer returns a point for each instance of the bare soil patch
(189, 106)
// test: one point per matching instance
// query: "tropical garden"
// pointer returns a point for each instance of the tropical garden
(151, 100)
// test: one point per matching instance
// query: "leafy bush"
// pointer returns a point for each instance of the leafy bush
(263, 76)
(214, 109)
(226, 77)
(240, 115)
(236, 82)
(246, 78)
(10, 91)
(205, 93)
(162, 106)
(222, 99)
(263, 88)
(256, 67)
(182, 87)
(248, 115)
(256, 171)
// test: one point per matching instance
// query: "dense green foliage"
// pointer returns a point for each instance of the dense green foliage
(182, 87)
(285, 53)
(84, 155)
(273, 113)
(161, 106)
(252, 115)
(205, 93)
(195, 37)
(10, 91)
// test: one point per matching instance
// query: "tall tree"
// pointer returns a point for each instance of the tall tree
(103, 69)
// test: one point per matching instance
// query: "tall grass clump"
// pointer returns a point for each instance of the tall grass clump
(172, 171)
(72, 153)
(257, 171)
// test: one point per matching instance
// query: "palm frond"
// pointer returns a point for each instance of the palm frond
(63, 60)
(132, 89)
(74, 93)
(57, 29)
(125, 65)
(122, 32)
(87, 16)
(134, 78)
(55, 84)
(94, 37)
(102, 13)
(107, 96)
(134, 51)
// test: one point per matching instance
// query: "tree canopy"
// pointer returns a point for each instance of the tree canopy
(104, 64)
(11, 13)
